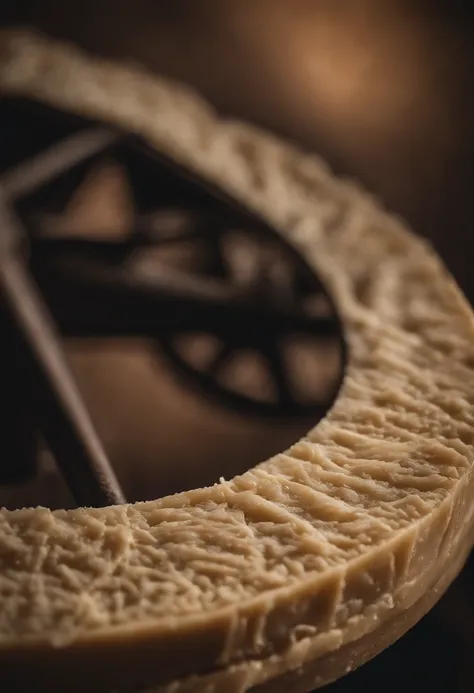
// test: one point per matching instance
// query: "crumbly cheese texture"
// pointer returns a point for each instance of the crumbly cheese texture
(320, 545)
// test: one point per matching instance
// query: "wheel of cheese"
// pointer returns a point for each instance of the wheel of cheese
(302, 568)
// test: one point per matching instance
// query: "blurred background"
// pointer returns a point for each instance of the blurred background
(384, 90)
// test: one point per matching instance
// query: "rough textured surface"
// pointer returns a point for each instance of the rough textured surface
(312, 549)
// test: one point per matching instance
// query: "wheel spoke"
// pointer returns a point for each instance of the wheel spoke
(55, 161)
(166, 226)
(210, 232)
(218, 260)
(273, 356)
(220, 359)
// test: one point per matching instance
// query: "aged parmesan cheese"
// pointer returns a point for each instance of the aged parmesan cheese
(293, 573)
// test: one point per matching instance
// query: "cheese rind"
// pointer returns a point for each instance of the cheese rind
(310, 551)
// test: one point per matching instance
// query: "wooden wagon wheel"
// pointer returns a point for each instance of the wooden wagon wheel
(310, 563)
(192, 264)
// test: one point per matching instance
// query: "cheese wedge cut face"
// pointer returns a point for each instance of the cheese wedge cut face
(293, 573)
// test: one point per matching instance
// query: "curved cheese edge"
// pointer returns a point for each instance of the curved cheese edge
(315, 547)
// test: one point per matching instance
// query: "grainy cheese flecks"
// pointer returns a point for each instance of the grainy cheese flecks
(228, 587)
